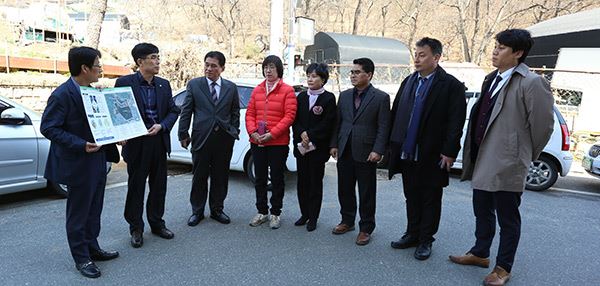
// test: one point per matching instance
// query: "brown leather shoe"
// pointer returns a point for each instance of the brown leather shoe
(498, 277)
(342, 228)
(470, 259)
(363, 238)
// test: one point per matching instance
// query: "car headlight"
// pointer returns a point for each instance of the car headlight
(595, 151)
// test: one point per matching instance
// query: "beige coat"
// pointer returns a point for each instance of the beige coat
(520, 125)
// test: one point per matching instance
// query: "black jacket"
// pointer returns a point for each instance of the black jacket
(318, 123)
(440, 129)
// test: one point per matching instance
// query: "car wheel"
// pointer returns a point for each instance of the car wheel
(543, 173)
(58, 189)
(61, 189)
(250, 169)
(251, 173)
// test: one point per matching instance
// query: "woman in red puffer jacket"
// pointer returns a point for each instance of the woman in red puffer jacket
(271, 112)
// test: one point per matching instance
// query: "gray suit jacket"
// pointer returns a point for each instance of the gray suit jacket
(368, 129)
(207, 115)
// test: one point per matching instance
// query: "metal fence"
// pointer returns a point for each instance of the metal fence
(575, 92)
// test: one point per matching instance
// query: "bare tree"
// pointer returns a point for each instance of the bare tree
(357, 12)
(384, 13)
(546, 9)
(94, 28)
(409, 17)
(228, 15)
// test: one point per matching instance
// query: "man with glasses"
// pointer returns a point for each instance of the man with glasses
(146, 156)
(215, 105)
(76, 161)
(359, 140)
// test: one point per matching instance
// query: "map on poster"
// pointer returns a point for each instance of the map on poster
(112, 114)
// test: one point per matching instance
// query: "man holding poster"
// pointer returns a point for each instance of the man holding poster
(76, 161)
(146, 156)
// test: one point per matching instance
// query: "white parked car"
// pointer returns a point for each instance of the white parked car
(241, 159)
(591, 160)
(23, 150)
(555, 159)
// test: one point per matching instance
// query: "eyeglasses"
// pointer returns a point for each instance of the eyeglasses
(356, 72)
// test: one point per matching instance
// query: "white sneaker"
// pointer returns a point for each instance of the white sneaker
(259, 219)
(274, 222)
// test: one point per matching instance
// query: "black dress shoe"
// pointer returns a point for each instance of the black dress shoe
(103, 255)
(137, 239)
(301, 221)
(423, 251)
(195, 219)
(311, 225)
(407, 241)
(220, 217)
(88, 269)
(164, 233)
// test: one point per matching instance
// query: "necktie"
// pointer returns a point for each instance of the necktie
(213, 92)
(491, 91)
(421, 87)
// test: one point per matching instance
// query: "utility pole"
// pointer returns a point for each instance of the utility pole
(291, 47)
(275, 46)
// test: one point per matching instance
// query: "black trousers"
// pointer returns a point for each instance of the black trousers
(84, 208)
(151, 164)
(269, 158)
(350, 172)
(212, 160)
(504, 205)
(310, 185)
(423, 204)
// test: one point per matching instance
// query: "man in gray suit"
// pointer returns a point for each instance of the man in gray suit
(358, 142)
(215, 104)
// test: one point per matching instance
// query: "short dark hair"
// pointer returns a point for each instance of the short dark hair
(216, 55)
(322, 70)
(517, 39)
(142, 50)
(367, 64)
(273, 59)
(82, 56)
(434, 44)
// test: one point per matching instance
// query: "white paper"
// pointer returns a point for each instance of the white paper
(303, 150)
(112, 114)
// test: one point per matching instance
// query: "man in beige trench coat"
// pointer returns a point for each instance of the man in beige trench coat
(510, 125)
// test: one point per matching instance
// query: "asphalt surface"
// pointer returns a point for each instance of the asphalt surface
(559, 242)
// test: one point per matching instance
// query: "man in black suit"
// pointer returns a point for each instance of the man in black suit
(215, 104)
(146, 156)
(358, 142)
(76, 161)
(427, 121)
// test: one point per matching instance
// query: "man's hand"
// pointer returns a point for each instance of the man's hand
(122, 143)
(154, 129)
(305, 139)
(265, 138)
(374, 157)
(185, 142)
(334, 153)
(92, 147)
(446, 162)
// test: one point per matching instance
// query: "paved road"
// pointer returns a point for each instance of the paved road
(559, 243)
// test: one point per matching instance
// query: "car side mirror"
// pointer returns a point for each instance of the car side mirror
(12, 116)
